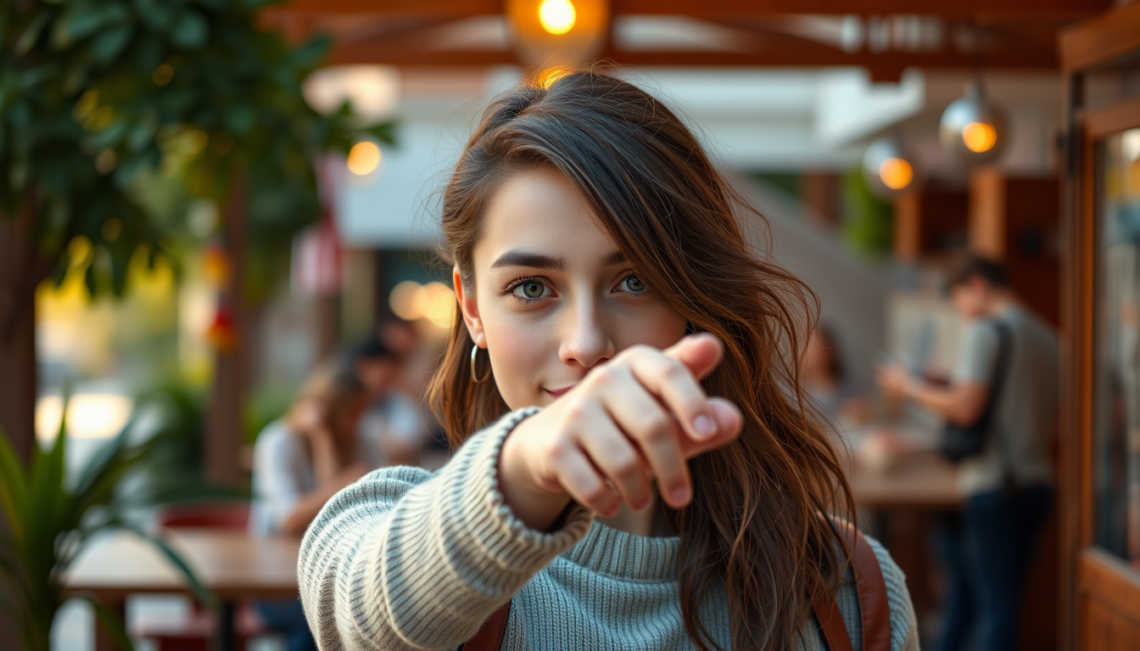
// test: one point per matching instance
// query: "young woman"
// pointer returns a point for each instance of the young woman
(636, 465)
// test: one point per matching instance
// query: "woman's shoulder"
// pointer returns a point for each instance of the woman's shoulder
(904, 630)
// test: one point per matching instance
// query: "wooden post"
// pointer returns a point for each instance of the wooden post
(908, 227)
(224, 423)
(1016, 219)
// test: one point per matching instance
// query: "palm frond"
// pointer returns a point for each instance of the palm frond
(200, 591)
(13, 488)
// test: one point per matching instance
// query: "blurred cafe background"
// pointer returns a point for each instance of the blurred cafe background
(218, 220)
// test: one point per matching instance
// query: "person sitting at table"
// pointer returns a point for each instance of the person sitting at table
(825, 378)
(299, 462)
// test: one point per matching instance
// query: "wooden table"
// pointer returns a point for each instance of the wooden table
(231, 563)
(909, 496)
(920, 480)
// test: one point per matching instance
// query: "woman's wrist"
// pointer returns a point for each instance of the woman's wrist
(538, 507)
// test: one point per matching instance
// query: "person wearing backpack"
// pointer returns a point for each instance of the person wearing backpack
(635, 466)
(1001, 413)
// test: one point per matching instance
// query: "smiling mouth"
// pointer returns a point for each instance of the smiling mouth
(557, 392)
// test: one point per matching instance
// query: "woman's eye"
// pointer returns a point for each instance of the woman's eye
(633, 285)
(530, 290)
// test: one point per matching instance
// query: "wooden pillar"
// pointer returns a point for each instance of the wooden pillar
(928, 222)
(820, 191)
(1016, 219)
(908, 227)
(225, 423)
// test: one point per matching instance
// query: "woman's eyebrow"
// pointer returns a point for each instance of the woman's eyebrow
(518, 258)
(526, 259)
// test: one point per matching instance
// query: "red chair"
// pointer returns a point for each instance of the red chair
(197, 631)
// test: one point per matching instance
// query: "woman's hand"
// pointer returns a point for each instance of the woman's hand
(636, 419)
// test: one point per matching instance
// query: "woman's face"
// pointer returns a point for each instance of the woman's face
(553, 295)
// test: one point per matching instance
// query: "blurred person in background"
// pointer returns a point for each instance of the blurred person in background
(824, 376)
(299, 462)
(1008, 485)
(392, 430)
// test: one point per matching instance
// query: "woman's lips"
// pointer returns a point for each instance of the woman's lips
(557, 392)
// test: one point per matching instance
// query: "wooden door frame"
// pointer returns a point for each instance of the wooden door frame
(1084, 564)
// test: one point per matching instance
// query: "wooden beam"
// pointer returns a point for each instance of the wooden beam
(886, 65)
(725, 8)
(1100, 40)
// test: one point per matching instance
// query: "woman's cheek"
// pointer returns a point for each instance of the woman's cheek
(518, 354)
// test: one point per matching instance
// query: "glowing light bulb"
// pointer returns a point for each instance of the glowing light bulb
(363, 158)
(979, 137)
(896, 173)
(557, 16)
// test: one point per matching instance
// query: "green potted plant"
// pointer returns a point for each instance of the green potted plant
(50, 518)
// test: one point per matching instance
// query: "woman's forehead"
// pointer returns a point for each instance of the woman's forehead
(538, 218)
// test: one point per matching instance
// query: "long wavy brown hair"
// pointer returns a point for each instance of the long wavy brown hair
(753, 523)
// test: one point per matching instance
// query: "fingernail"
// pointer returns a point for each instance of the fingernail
(680, 495)
(704, 426)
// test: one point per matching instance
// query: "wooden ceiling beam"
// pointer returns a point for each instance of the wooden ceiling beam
(719, 9)
(883, 65)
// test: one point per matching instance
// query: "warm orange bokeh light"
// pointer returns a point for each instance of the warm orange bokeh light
(896, 173)
(546, 77)
(557, 16)
(363, 158)
(979, 137)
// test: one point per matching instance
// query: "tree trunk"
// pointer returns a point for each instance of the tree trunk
(225, 422)
(17, 336)
(17, 361)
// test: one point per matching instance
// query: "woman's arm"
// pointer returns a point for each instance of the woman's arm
(406, 560)
(310, 504)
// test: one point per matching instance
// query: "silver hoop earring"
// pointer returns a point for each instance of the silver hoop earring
(474, 376)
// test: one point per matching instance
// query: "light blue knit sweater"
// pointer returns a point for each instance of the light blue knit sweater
(405, 559)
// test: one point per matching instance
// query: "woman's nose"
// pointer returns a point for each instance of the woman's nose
(585, 337)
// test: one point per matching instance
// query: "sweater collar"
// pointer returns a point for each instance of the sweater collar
(622, 555)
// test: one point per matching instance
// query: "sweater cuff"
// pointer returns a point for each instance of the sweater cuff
(503, 535)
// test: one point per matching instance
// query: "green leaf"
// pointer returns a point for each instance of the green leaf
(89, 281)
(241, 119)
(109, 620)
(48, 495)
(311, 53)
(111, 43)
(383, 131)
(108, 454)
(13, 488)
(81, 19)
(190, 30)
(32, 32)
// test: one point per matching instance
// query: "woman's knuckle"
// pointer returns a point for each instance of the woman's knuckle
(626, 467)
(657, 423)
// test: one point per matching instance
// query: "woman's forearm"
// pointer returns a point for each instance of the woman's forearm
(406, 560)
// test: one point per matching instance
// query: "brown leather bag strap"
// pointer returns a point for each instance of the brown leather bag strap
(874, 608)
(490, 635)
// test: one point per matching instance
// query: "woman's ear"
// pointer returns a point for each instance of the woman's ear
(470, 310)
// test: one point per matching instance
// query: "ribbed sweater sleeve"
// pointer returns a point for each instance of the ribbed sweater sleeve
(404, 559)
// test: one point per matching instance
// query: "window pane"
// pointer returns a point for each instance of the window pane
(1116, 446)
